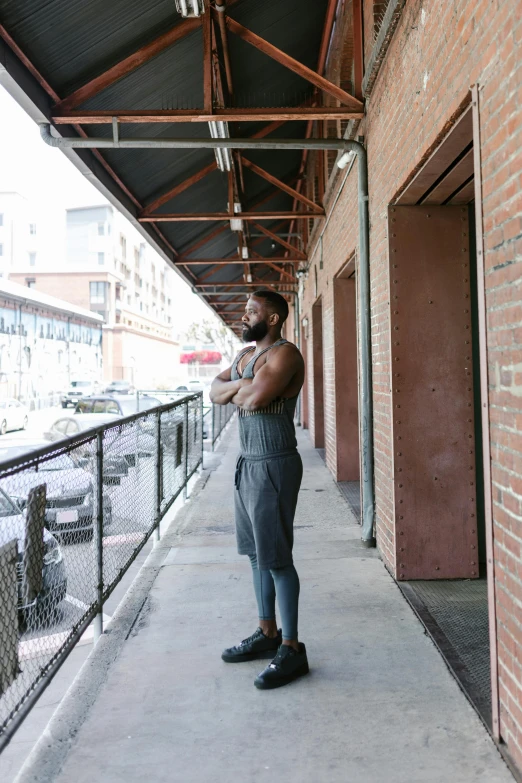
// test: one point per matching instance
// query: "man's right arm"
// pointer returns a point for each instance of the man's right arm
(223, 389)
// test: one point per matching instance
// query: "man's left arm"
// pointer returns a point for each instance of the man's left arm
(270, 382)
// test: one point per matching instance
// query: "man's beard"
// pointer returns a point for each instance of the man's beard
(255, 333)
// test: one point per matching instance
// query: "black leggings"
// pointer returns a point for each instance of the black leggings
(285, 583)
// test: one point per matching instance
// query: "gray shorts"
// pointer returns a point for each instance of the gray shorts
(265, 500)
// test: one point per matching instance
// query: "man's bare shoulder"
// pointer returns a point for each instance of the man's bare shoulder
(286, 352)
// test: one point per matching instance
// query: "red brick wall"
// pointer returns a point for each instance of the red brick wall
(346, 386)
(436, 53)
(501, 148)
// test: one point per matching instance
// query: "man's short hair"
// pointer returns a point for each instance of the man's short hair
(278, 302)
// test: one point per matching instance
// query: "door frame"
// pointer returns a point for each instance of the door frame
(486, 447)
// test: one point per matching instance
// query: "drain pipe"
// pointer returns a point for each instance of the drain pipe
(368, 538)
(246, 144)
(365, 344)
(344, 146)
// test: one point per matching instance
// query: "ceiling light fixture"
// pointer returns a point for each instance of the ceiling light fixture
(219, 130)
(236, 224)
(190, 7)
(345, 159)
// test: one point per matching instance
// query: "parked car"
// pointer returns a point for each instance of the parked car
(133, 444)
(70, 504)
(119, 387)
(13, 416)
(115, 465)
(78, 389)
(126, 406)
(54, 578)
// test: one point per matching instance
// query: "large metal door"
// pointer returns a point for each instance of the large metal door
(432, 393)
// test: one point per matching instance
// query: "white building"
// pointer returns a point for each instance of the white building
(45, 343)
(22, 238)
(109, 269)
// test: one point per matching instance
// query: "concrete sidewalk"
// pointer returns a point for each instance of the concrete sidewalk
(155, 702)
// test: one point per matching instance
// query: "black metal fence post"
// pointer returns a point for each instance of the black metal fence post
(158, 490)
(186, 450)
(202, 413)
(98, 537)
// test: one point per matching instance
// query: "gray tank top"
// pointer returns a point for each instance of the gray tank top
(269, 431)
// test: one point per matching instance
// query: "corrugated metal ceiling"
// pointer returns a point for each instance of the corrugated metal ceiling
(71, 42)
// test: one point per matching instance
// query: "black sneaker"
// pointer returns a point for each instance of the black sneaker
(287, 666)
(256, 646)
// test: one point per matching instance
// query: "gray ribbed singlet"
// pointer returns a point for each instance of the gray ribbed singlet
(268, 431)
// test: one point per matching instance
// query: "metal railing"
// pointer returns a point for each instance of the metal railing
(221, 415)
(73, 517)
(215, 417)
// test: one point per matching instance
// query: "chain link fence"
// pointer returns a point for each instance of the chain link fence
(73, 517)
(221, 415)
(215, 417)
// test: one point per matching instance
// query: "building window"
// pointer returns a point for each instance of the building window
(101, 229)
(1, 218)
(32, 229)
(32, 259)
(1, 250)
(101, 258)
(31, 282)
(123, 245)
(97, 292)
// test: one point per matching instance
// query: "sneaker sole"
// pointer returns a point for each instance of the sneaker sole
(271, 684)
(249, 656)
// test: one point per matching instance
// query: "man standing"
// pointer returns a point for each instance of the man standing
(264, 382)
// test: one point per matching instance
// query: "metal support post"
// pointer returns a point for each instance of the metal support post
(98, 537)
(213, 425)
(202, 409)
(185, 494)
(157, 482)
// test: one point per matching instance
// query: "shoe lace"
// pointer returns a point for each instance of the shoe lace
(279, 657)
(249, 639)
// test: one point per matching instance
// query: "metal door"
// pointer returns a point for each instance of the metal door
(432, 393)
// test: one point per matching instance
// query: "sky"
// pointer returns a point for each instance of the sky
(50, 181)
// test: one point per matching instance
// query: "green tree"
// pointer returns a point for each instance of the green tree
(207, 332)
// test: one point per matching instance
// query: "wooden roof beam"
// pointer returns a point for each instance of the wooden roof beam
(179, 217)
(130, 63)
(281, 185)
(179, 188)
(234, 260)
(294, 65)
(64, 116)
(280, 241)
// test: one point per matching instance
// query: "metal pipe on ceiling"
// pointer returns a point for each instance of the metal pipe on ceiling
(342, 145)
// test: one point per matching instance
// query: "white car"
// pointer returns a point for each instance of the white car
(13, 416)
(79, 389)
(115, 465)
